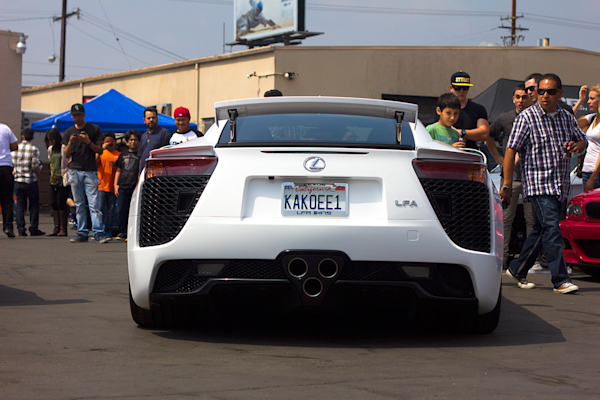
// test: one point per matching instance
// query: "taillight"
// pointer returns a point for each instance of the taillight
(441, 169)
(180, 166)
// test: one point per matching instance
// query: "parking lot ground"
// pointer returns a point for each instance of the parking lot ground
(66, 333)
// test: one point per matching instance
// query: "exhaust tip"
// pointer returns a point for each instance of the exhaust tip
(312, 287)
(297, 267)
(328, 268)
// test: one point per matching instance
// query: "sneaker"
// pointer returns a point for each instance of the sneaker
(566, 287)
(569, 270)
(539, 269)
(523, 284)
(536, 267)
(101, 239)
(80, 239)
(122, 236)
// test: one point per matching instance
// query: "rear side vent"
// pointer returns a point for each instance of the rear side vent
(460, 198)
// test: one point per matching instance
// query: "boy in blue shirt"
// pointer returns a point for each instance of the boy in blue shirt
(448, 108)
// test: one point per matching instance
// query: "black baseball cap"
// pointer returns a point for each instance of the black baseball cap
(460, 79)
(77, 109)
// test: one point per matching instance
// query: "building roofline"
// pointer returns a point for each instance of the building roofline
(203, 60)
(270, 49)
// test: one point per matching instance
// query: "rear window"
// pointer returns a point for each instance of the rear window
(308, 129)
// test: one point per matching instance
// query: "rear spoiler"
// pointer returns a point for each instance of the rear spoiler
(315, 104)
(185, 152)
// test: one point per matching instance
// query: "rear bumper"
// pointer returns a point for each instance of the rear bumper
(421, 241)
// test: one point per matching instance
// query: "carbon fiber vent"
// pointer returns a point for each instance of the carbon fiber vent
(592, 210)
(162, 216)
(178, 276)
(447, 280)
(467, 221)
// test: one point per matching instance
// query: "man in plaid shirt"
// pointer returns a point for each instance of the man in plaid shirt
(26, 161)
(545, 135)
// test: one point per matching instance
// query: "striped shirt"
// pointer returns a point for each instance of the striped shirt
(25, 159)
(540, 137)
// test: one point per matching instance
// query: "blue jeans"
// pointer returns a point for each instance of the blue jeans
(84, 184)
(545, 234)
(106, 203)
(24, 192)
(124, 201)
(585, 176)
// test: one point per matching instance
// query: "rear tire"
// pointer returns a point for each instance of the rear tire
(466, 320)
(164, 316)
(487, 323)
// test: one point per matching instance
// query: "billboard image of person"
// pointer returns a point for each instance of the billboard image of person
(255, 19)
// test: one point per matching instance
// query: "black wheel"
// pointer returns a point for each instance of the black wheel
(487, 323)
(466, 320)
(593, 271)
(165, 316)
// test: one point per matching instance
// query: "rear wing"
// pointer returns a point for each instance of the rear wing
(317, 104)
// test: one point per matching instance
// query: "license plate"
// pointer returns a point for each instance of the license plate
(314, 199)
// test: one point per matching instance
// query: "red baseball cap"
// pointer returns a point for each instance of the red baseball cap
(181, 112)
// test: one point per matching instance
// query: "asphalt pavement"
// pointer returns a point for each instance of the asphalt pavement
(66, 333)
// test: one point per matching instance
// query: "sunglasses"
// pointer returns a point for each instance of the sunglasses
(530, 88)
(551, 92)
(459, 88)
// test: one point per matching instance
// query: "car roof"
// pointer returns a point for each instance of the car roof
(316, 105)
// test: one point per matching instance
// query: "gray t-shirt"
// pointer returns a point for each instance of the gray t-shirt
(500, 130)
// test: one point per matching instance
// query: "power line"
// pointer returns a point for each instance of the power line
(129, 36)
(116, 37)
(23, 19)
(71, 66)
(106, 44)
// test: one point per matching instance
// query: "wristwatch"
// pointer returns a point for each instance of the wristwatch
(506, 188)
(463, 133)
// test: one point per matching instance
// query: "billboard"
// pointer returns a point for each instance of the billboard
(258, 19)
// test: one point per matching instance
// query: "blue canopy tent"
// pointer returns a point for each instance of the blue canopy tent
(111, 111)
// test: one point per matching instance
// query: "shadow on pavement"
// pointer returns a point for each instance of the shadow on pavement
(16, 297)
(517, 327)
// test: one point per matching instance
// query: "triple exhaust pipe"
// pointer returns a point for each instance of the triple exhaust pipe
(312, 274)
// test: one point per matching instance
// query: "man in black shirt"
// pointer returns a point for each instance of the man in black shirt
(82, 142)
(472, 121)
(500, 130)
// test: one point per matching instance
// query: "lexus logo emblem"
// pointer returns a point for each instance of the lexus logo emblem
(314, 164)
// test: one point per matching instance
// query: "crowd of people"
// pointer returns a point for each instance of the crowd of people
(91, 179)
(538, 137)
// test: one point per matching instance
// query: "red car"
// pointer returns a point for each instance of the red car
(581, 233)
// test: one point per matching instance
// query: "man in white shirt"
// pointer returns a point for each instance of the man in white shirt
(183, 132)
(8, 143)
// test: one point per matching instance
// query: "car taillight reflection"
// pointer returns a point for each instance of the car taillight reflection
(180, 166)
(451, 170)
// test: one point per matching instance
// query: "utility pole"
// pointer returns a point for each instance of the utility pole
(63, 37)
(513, 39)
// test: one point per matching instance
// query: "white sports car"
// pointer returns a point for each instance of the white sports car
(315, 203)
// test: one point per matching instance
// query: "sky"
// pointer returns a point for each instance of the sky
(120, 35)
